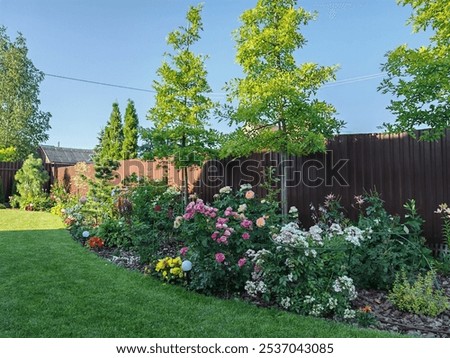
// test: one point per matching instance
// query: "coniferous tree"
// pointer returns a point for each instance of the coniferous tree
(112, 139)
(130, 132)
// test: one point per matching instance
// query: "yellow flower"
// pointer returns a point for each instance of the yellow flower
(160, 265)
(175, 271)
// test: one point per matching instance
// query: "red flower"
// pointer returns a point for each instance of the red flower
(157, 208)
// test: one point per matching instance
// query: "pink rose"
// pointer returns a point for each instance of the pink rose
(222, 240)
(184, 250)
(242, 262)
(246, 224)
(220, 257)
(246, 236)
(215, 235)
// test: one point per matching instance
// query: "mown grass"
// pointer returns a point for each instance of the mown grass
(50, 286)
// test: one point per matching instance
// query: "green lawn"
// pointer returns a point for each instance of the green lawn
(50, 286)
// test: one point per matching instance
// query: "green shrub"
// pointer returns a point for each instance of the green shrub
(30, 179)
(394, 245)
(2, 206)
(420, 297)
(218, 236)
(114, 233)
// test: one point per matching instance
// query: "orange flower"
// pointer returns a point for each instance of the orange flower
(260, 222)
(249, 194)
(366, 309)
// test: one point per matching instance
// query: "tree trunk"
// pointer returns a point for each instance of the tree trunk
(283, 182)
(185, 186)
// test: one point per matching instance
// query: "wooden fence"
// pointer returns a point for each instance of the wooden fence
(396, 166)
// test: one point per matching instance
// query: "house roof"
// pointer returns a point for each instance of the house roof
(69, 156)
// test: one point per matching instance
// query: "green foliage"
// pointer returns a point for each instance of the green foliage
(30, 179)
(155, 205)
(420, 297)
(22, 125)
(217, 238)
(277, 107)
(393, 245)
(130, 132)
(180, 114)
(114, 233)
(8, 154)
(418, 78)
(2, 206)
(60, 199)
(306, 271)
(111, 138)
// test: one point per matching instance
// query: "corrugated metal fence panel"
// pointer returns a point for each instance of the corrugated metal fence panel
(7, 172)
(396, 166)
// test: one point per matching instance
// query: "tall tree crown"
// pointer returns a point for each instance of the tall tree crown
(23, 126)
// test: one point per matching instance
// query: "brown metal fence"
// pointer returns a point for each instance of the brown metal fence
(396, 166)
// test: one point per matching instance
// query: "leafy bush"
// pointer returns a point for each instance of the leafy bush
(115, 233)
(307, 271)
(217, 238)
(420, 297)
(155, 205)
(393, 245)
(30, 180)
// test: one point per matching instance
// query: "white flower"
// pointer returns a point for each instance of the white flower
(263, 201)
(286, 303)
(290, 277)
(245, 187)
(242, 208)
(332, 303)
(177, 222)
(216, 196)
(336, 229)
(85, 234)
(309, 299)
(353, 235)
(225, 190)
(293, 210)
(349, 314)
(316, 310)
(345, 283)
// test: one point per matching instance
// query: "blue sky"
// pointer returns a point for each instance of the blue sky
(122, 42)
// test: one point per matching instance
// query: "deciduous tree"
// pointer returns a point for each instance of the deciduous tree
(419, 78)
(277, 108)
(180, 130)
(23, 126)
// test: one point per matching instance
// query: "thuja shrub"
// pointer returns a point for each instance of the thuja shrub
(216, 238)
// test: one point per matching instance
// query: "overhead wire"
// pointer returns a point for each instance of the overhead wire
(346, 81)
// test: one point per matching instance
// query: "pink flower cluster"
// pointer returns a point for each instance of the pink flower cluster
(247, 224)
(199, 206)
(220, 257)
(222, 237)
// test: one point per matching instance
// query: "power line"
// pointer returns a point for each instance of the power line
(346, 81)
(99, 83)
